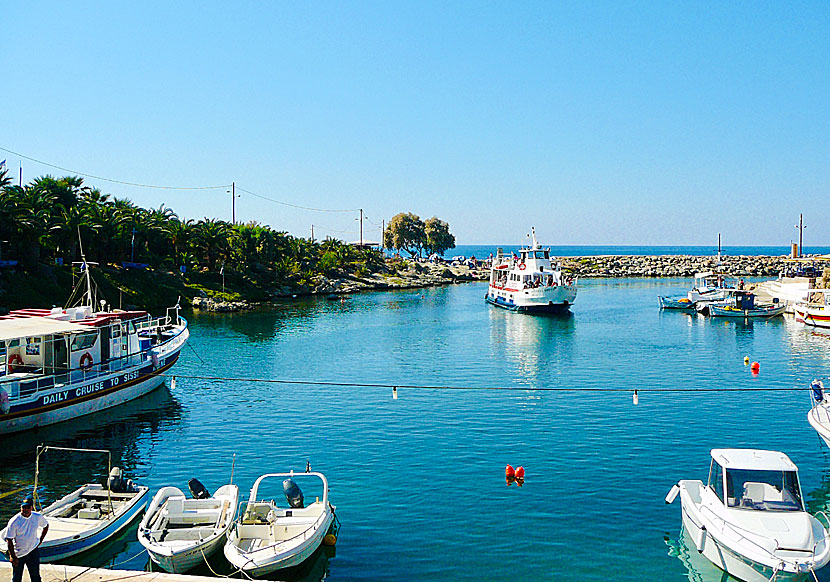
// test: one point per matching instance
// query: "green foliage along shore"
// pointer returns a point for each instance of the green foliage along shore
(40, 224)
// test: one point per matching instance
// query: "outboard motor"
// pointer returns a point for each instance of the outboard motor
(818, 391)
(292, 494)
(198, 490)
(117, 483)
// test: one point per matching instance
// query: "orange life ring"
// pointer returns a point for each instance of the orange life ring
(86, 361)
(522, 267)
(14, 359)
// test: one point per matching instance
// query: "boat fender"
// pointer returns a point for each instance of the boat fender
(292, 494)
(817, 387)
(330, 540)
(198, 490)
(672, 494)
(701, 540)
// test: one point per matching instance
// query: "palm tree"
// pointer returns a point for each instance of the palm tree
(211, 237)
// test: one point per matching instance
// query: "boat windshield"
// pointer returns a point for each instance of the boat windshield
(763, 490)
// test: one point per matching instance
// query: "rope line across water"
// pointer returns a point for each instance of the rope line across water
(504, 388)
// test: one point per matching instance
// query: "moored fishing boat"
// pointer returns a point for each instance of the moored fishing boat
(749, 519)
(741, 304)
(529, 282)
(181, 533)
(90, 515)
(269, 538)
(815, 310)
(676, 303)
(57, 364)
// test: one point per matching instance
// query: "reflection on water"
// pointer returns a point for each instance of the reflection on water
(698, 566)
(118, 430)
(533, 342)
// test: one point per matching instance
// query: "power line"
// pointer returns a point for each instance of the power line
(295, 205)
(110, 179)
(492, 388)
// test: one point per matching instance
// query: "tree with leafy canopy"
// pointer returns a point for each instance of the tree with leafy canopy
(405, 232)
(438, 236)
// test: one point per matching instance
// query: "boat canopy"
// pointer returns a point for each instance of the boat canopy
(753, 459)
(36, 326)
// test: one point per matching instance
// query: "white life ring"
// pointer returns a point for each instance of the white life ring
(86, 361)
(522, 267)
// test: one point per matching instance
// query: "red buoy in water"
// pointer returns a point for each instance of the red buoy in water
(509, 472)
(755, 367)
(520, 473)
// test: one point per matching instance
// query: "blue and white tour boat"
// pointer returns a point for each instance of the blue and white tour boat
(529, 282)
(60, 363)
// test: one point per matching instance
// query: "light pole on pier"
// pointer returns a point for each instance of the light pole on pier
(800, 226)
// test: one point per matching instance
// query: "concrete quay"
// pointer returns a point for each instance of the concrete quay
(59, 573)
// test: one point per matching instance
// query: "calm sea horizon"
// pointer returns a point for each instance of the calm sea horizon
(483, 251)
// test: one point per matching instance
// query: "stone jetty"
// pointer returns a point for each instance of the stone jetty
(672, 265)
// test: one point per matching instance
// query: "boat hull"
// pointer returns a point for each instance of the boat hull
(557, 300)
(86, 397)
(811, 316)
(676, 304)
(719, 311)
(819, 419)
(275, 561)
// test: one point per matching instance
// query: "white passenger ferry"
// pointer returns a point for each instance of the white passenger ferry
(57, 364)
(529, 282)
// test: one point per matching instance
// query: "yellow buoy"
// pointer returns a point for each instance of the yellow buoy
(746, 360)
(330, 540)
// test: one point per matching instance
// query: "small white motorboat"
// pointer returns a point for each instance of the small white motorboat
(89, 515)
(819, 415)
(181, 533)
(269, 538)
(749, 519)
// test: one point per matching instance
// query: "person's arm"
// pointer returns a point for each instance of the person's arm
(45, 529)
(12, 555)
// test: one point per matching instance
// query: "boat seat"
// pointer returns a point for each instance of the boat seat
(181, 512)
(757, 493)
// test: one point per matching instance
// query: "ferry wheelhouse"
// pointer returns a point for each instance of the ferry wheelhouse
(529, 282)
(61, 363)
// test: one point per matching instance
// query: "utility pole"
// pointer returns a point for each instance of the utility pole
(382, 232)
(312, 233)
(132, 247)
(361, 228)
(233, 202)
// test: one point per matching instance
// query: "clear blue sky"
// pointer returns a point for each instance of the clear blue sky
(597, 122)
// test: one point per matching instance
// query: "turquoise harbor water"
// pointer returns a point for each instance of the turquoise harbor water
(419, 481)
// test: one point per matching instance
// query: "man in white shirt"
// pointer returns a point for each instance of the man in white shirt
(23, 541)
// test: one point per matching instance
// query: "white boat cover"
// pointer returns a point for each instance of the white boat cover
(35, 326)
(753, 459)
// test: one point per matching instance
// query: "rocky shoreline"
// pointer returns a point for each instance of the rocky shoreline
(417, 275)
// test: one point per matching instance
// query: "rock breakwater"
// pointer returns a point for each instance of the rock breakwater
(672, 265)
